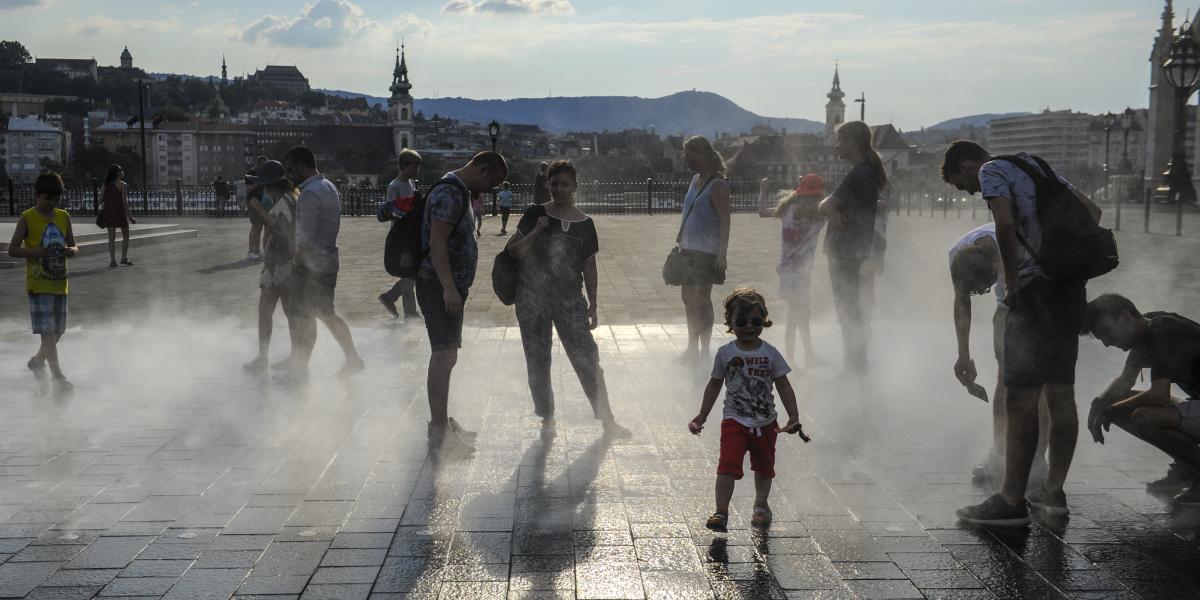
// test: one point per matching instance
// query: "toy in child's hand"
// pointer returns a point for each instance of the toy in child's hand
(798, 429)
(695, 427)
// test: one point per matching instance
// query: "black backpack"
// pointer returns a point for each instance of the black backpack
(403, 252)
(1074, 247)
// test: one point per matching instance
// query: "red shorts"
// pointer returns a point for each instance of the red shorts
(737, 439)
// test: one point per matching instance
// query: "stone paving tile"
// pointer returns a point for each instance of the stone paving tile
(219, 483)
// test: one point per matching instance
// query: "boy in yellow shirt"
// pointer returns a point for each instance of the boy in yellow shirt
(45, 240)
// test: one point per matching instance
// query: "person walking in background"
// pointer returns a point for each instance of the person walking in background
(255, 194)
(1041, 335)
(749, 368)
(506, 200)
(221, 194)
(703, 242)
(556, 245)
(318, 219)
(801, 228)
(443, 282)
(851, 211)
(44, 238)
(276, 280)
(477, 209)
(541, 184)
(114, 214)
(401, 195)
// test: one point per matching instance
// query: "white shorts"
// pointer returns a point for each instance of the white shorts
(1189, 418)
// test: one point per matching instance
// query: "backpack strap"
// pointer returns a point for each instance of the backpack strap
(1039, 180)
(679, 236)
(451, 181)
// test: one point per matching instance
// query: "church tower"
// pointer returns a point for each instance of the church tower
(1160, 118)
(400, 105)
(224, 72)
(835, 109)
(126, 59)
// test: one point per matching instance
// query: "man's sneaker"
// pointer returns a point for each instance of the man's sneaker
(718, 522)
(761, 517)
(1053, 504)
(616, 431)
(1189, 498)
(1179, 477)
(445, 444)
(389, 305)
(37, 364)
(467, 436)
(995, 511)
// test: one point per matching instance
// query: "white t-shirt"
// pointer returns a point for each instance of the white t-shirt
(749, 382)
(968, 240)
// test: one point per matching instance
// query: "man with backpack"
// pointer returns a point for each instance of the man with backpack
(1041, 220)
(447, 271)
(400, 202)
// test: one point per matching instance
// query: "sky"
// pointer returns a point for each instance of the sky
(917, 61)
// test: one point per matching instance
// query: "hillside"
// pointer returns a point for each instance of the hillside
(679, 113)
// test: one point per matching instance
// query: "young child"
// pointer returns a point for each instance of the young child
(748, 367)
(44, 238)
(801, 229)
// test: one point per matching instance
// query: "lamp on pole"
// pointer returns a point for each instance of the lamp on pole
(1182, 71)
(1109, 121)
(1126, 124)
(142, 88)
(494, 131)
(862, 107)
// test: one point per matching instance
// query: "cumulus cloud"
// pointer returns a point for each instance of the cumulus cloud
(108, 25)
(322, 24)
(410, 24)
(508, 7)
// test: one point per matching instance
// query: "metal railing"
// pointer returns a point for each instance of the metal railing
(1122, 195)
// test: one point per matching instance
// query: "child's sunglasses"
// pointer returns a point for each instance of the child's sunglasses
(756, 321)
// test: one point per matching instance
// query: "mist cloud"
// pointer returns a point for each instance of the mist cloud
(510, 7)
(322, 24)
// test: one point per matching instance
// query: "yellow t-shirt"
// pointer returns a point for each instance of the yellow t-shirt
(47, 275)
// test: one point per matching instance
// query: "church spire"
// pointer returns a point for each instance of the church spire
(400, 84)
(1168, 17)
(836, 93)
(224, 71)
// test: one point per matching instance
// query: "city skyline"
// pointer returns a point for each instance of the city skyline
(918, 65)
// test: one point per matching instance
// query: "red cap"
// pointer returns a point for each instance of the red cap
(811, 185)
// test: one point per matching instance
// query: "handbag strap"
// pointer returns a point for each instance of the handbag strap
(688, 212)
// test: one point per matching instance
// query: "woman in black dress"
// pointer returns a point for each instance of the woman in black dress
(114, 214)
(555, 246)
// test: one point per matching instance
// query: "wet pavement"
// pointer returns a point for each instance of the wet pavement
(170, 472)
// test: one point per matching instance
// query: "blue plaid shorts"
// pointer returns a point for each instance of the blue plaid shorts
(48, 313)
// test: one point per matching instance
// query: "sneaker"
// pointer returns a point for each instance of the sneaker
(37, 364)
(1191, 497)
(615, 430)
(112, 264)
(467, 436)
(995, 511)
(258, 365)
(1050, 503)
(127, 262)
(390, 306)
(447, 444)
(718, 522)
(761, 517)
(351, 367)
(1178, 478)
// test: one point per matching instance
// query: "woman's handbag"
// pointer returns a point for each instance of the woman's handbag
(100, 217)
(676, 267)
(504, 277)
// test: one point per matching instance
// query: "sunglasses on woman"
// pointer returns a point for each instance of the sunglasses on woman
(756, 321)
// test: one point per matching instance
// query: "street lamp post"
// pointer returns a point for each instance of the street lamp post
(1182, 71)
(494, 131)
(1126, 124)
(143, 87)
(1109, 120)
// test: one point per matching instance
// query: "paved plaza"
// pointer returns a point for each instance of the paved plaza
(171, 472)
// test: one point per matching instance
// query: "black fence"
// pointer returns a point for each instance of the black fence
(919, 197)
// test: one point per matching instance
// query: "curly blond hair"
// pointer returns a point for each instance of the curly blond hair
(744, 299)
